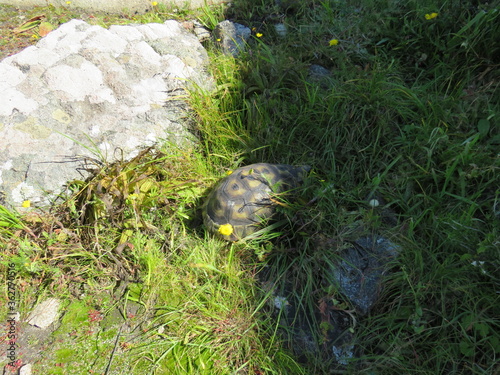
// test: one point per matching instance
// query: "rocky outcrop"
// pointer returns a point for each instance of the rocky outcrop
(84, 95)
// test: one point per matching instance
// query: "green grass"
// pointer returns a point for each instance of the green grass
(409, 116)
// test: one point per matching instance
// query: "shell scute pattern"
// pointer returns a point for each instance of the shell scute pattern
(243, 199)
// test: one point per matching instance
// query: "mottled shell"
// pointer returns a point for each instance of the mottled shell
(243, 199)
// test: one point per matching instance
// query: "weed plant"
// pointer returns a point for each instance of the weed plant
(408, 116)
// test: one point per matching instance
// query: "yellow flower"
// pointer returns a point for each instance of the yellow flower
(68, 2)
(430, 16)
(226, 229)
(229, 172)
(333, 42)
(154, 3)
(258, 35)
(26, 204)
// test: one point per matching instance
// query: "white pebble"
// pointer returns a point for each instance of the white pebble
(280, 29)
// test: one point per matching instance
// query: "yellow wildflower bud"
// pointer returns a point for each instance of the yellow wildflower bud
(154, 3)
(258, 35)
(26, 204)
(226, 229)
(430, 16)
(333, 42)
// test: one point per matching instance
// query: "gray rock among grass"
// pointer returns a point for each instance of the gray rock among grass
(321, 76)
(231, 37)
(322, 329)
(85, 93)
(359, 271)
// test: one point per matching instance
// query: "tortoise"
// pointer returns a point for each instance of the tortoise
(242, 200)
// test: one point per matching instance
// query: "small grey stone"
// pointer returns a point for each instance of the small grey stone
(319, 71)
(201, 32)
(320, 76)
(359, 271)
(232, 37)
(281, 30)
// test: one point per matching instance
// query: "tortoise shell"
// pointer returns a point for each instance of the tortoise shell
(242, 200)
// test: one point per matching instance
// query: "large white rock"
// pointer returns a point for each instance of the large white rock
(87, 92)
